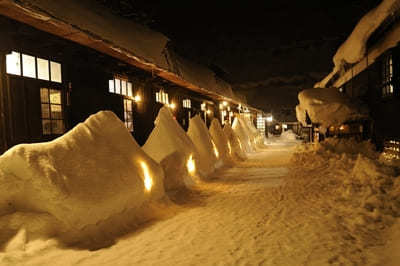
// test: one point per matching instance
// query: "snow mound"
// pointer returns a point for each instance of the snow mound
(234, 141)
(288, 135)
(221, 142)
(169, 145)
(201, 138)
(327, 107)
(344, 181)
(243, 136)
(88, 175)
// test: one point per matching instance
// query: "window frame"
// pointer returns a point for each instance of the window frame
(387, 85)
(50, 103)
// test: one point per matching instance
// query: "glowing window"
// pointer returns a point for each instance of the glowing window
(187, 103)
(13, 62)
(162, 97)
(43, 69)
(111, 87)
(28, 66)
(128, 114)
(55, 72)
(123, 87)
(52, 112)
(118, 86)
(387, 76)
(130, 90)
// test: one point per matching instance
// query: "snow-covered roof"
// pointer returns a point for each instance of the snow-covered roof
(89, 24)
(354, 49)
(327, 107)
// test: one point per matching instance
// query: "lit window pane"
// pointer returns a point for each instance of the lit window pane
(13, 62)
(55, 96)
(118, 86)
(129, 126)
(55, 69)
(111, 87)
(123, 88)
(45, 110)
(56, 111)
(57, 126)
(43, 69)
(44, 95)
(46, 127)
(28, 66)
(130, 91)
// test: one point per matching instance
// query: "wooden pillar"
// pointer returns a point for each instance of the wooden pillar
(4, 145)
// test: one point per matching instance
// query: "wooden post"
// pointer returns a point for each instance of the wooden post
(3, 103)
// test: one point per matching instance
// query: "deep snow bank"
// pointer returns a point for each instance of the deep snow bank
(328, 107)
(344, 181)
(234, 143)
(201, 138)
(243, 136)
(88, 175)
(169, 145)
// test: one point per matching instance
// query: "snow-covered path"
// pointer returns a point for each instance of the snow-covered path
(223, 222)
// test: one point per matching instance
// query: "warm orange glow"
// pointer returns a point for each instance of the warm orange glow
(225, 103)
(137, 98)
(148, 181)
(208, 111)
(215, 149)
(240, 144)
(191, 166)
(341, 127)
(172, 106)
(229, 148)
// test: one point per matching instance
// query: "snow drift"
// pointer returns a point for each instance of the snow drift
(169, 145)
(201, 138)
(88, 175)
(327, 107)
(234, 142)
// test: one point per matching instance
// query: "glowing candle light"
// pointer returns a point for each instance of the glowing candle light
(191, 166)
(215, 149)
(148, 181)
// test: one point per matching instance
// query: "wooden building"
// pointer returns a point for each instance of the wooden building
(54, 74)
(375, 81)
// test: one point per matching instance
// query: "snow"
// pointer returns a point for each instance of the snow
(90, 17)
(287, 204)
(87, 176)
(354, 48)
(237, 149)
(201, 138)
(220, 141)
(169, 145)
(327, 107)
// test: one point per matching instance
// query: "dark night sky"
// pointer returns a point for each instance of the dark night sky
(268, 50)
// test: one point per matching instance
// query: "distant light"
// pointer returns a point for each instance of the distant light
(270, 118)
(148, 181)
(137, 98)
(190, 165)
(225, 103)
(341, 127)
(284, 126)
(215, 149)
(277, 127)
(208, 111)
(172, 105)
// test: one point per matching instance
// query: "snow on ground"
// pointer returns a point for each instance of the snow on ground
(287, 204)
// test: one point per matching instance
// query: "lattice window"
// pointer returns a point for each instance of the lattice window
(52, 112)
(387, 76)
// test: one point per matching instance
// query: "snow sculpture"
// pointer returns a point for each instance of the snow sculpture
(169, 145)
(243, 136)
(88, 175)
(201, 138)
(220, 141)
(233, 141)
(327, 107)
